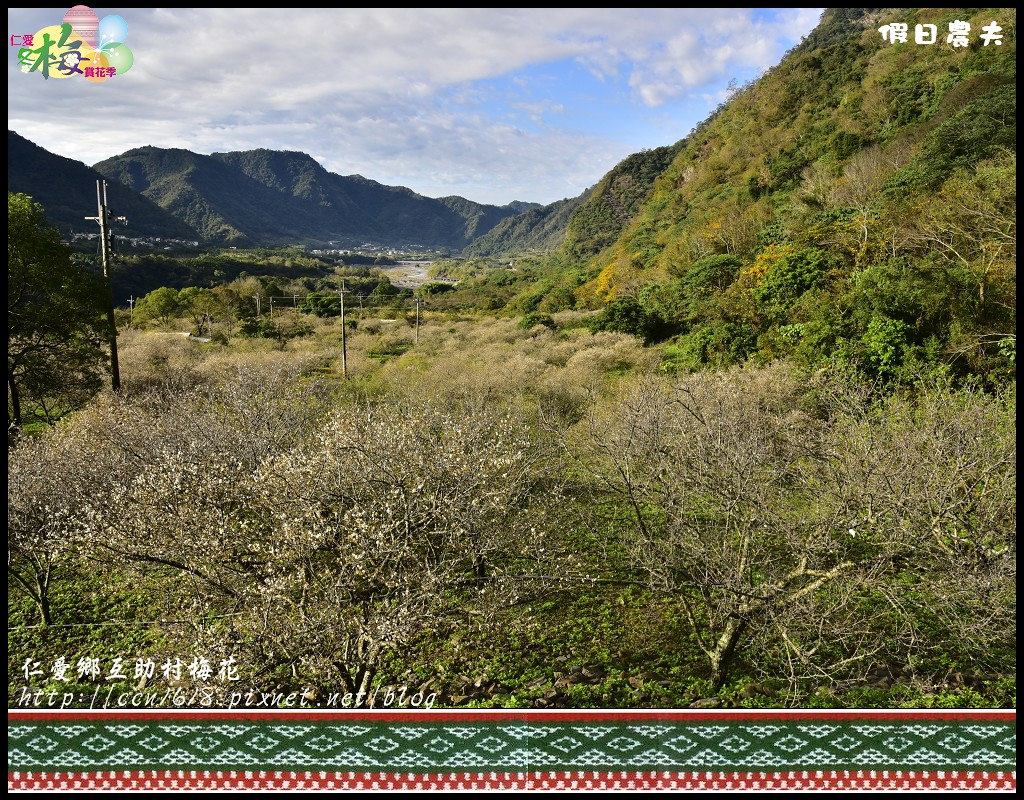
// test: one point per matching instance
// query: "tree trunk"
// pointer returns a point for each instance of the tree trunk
(43, 597)
(43, 604)
(12, 387)
(725, 648)
(479, 569)
(364, 684)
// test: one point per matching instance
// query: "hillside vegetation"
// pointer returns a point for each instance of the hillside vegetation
(67, 190)
(857, 203)
(506, 515)
(537, 229)
(282, 197)
(584, 225)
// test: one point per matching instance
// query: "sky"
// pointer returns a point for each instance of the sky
(494, 105)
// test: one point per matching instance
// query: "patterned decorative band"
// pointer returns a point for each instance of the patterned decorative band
(768, 781)
(582, 750)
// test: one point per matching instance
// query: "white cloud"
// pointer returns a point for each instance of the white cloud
(393, 93)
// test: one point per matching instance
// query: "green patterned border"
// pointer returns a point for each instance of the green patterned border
(311, 742)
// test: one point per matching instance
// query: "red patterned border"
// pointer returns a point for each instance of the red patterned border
(173, 779)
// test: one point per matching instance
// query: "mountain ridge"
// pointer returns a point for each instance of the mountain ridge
(275, 197)
(67, 191)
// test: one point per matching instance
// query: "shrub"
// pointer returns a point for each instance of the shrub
(535, 318)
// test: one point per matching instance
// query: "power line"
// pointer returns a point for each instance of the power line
(120, 623)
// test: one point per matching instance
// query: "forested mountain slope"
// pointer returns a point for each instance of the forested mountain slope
(584, 225)
(283, 197)
(67, 190)
(858, 201)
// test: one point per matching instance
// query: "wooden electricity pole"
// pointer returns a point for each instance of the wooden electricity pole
(103, 220)
(417, 318)
(344, 348)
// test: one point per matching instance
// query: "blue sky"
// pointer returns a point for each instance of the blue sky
(491, 104)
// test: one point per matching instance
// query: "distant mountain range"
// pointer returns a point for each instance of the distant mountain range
(275, 197)
(258, 197)
(284, 197)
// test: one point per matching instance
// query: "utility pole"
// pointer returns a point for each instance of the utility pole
(271, 306)
(103, 220)
(417, 318)
(344, 347)
(131, 311)
(256, 297)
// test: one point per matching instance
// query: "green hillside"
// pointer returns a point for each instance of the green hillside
(857, 202)
(581, 226)
(280, 197)
(67, 191)
(540, 229)
(615, 201)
